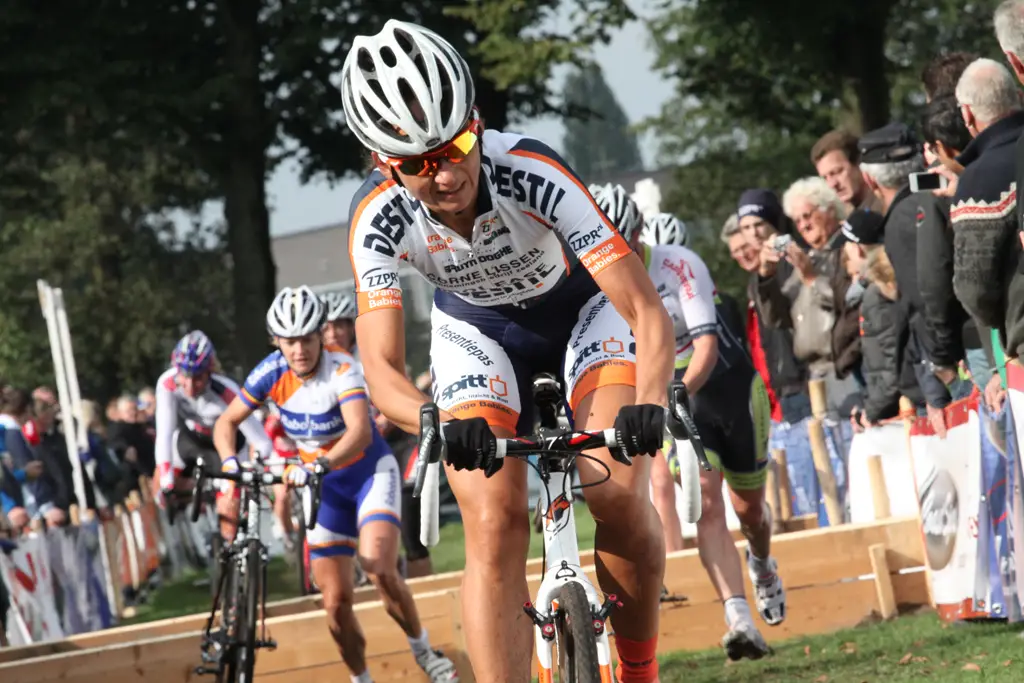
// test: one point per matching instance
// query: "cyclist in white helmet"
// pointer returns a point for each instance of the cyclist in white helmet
(730, 407)
(321, 397)
(664, 228)
(530, 277)
(340, 329)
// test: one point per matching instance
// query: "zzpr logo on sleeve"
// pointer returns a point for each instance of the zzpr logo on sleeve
(374, 278)
(581, 239)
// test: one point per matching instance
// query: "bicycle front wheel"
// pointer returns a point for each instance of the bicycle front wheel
(577, 641)
(249, 607)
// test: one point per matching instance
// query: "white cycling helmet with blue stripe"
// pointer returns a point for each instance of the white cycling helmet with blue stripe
(664, 228)
(620, 209)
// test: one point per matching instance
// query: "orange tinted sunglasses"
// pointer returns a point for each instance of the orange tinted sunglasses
(455, 151)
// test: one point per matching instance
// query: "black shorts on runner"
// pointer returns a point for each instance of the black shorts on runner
(733, 415)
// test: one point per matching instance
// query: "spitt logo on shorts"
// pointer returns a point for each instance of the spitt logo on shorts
(611, 347)
(495, 385)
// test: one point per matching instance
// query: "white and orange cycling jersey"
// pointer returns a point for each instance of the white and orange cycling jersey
(535, 222)
(690, 297)
(516, 298)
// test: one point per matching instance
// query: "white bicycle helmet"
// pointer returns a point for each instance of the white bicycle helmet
(295, 313)
(664, 228)
(620, 208)
(341, 306)
(402, 69)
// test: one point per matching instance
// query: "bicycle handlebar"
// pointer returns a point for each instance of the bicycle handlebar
(431, 452)
(249, 475)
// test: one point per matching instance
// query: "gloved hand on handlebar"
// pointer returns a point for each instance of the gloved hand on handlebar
(640, 429)
(230, 465)
(471, 445)
(297, 476)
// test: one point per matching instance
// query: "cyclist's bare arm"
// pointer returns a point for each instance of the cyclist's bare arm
(383, 361)
(629, 288)
(702, 362)
(357, 436)
(225, 429)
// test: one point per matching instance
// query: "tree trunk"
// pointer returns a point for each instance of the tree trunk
(245, 168)
(867, 66)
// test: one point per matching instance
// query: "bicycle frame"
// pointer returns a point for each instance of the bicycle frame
(561, 566)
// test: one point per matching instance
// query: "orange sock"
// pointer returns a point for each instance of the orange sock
(637, 662)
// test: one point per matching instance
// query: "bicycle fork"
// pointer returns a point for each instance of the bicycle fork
(561, 566)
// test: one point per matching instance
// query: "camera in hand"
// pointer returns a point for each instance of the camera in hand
(780, 243)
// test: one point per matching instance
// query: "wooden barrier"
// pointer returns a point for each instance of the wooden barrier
(835, 578)
(193, 623)
(785, 491)
(879, 493)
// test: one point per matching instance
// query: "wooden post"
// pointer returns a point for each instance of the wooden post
(74, 516)
(879, 493)
(883, 581)
(772, 496)
(908, 414)
(785, 492)
(819, 451)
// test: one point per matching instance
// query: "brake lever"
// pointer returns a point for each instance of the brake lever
(429, 452)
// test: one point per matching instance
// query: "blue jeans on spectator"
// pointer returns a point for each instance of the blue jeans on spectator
(980, 367)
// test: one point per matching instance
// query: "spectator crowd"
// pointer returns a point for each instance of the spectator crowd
(36, 474)
(896, 271)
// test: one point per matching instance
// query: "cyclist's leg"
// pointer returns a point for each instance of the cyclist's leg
(332, 547)
(664, 499)
(379, 524)
(283, 513)
(746, 472)
(630, 550)
(498, 632)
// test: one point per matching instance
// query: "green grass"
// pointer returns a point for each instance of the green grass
(910, 648)
(190, 594)
(450, 553)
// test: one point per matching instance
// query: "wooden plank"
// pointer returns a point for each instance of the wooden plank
(816, 556)
(303, 641)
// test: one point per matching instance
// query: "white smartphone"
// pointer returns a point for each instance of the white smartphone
(927, 181)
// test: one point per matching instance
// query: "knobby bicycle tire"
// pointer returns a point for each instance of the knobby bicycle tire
(215, 566)
(299, 548)
(577, 642)
(230, 615)
(245, 652)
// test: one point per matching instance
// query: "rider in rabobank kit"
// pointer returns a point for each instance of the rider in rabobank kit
(531, 277)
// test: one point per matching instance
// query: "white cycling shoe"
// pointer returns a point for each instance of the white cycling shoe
(771, 596)
(744, 641)
(439, 669)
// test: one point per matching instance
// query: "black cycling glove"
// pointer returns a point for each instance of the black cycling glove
(471, 445)
(640, 430)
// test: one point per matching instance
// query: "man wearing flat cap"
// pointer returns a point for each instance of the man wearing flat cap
(888, 156)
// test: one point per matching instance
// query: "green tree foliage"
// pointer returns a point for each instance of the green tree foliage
(602, 143)
(129, 295)
(758, 82)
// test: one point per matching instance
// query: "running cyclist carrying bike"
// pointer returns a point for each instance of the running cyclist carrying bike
(190, 397)
(321, 398)
(729, 405)
(531, 277)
